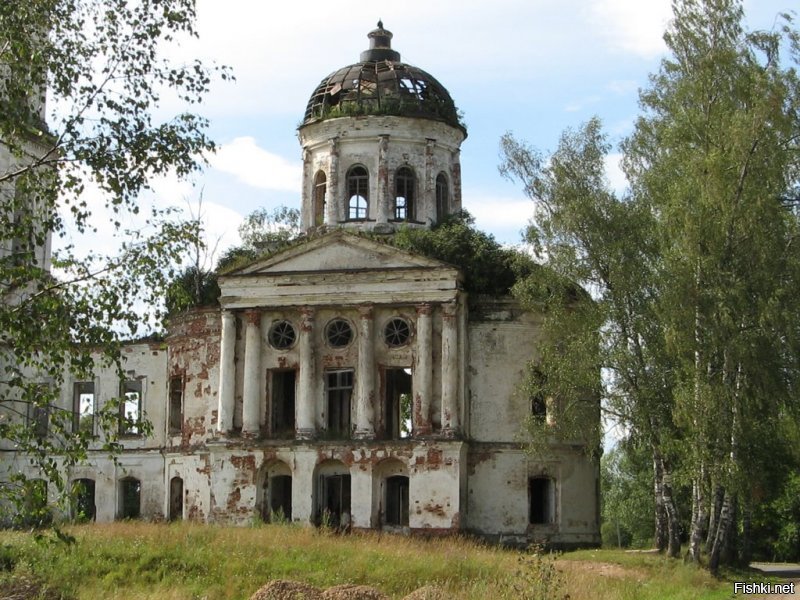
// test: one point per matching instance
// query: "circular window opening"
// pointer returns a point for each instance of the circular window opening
(396, 332)
(282, 335)
(339, 333)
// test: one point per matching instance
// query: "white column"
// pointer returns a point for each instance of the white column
(426, 209)
(306, 400)
(333, 213)
(449, 369)
(423, 372)
(365, 376)
(252, 374)
(227, 372)
(307, 193)
(383, 201)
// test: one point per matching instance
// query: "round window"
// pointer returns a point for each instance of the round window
(396, 332)
(339, 333)
(282, 335)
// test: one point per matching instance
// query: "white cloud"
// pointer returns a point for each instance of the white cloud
(497, 212)
(634, 26)
(256, 167)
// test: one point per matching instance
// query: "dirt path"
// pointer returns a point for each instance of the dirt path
(785, 572)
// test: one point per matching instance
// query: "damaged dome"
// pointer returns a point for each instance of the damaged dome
(381, 85)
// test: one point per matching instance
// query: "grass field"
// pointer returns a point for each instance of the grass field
(184, 561)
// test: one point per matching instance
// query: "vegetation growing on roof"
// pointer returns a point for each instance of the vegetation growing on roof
(487, 266)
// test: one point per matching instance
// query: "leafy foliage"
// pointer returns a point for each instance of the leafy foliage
(96, 149)
(693, 272)
(488, 267)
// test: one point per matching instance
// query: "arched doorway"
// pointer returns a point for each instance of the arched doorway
(175, 499)
(84, 507)
(274, 494)
(332, 494)
(391, 492)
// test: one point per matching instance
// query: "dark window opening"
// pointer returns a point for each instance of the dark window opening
(130, 408)
(541, 500)
(175, 404)
(442, 197)
(397, 500)
(277, 506)
(340, 392)
(398, 403)
(334, 500)
(84, 502)
(397, 332)
(175, 499)
(538, 407)
(282, 335)
(538, 399)
(404, 195)
(283, 386)
(130, 498)
(339, 333)
(83, 407)
(358, 193)
(320, 188)
(39, 420)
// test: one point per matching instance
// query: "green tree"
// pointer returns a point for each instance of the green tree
(589, 237)
(694, 272)
(626, 479)
(262, 232)
(713, 155)
(488, 267)
(101, 64)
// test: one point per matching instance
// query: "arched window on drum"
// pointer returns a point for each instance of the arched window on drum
(404, 196)
(357, 193)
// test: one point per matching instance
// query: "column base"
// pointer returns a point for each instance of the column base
(304, 434)
(450, 433)
(363, 434)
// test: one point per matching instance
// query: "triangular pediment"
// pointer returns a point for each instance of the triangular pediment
(338, 251)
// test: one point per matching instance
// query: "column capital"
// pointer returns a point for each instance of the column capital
(252, 316)
(424, 308)
(307, 314)
(365, 311)
(449, 309)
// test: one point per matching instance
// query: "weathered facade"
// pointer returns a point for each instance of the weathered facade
(344, 381)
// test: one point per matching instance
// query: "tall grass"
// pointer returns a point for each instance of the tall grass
(184, 561)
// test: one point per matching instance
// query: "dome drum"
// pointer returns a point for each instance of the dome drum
(407, 176)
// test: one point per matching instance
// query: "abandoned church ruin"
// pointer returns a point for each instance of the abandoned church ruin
(342, 380)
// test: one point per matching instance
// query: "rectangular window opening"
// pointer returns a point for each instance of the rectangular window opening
(130, 408)
(283, 388)
(339, 391)
(83, 407)
(175, 404)
(397, 403)
(541, 500)
(39, 420)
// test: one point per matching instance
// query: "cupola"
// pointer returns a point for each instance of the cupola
(381, 142)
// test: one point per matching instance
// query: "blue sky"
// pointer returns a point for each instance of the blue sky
(533, 67)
